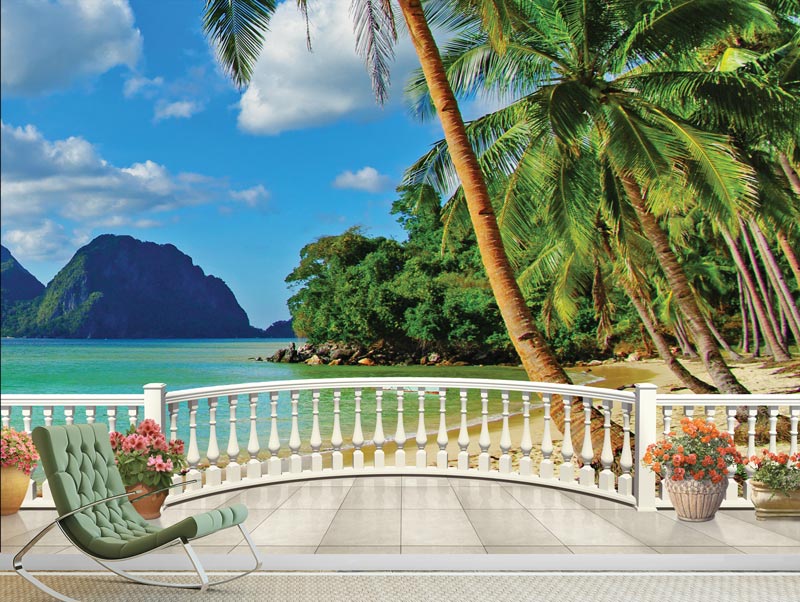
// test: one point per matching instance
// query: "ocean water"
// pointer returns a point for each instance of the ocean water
(123, 366)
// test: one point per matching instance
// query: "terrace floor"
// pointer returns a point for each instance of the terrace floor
(430, 515)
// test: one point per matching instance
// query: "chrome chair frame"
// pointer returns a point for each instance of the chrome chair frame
(195, 560)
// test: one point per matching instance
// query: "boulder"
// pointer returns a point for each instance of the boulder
(633, 357)
(336, 362)
(365, 361)
(314, 360)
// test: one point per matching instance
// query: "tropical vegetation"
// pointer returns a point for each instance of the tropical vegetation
(143, 455)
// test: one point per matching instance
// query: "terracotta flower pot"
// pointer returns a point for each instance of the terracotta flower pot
(773, 503)
(696, 501)
(148, 507)
(13, 487)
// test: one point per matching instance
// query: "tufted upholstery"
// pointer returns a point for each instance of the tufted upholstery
(79, 465)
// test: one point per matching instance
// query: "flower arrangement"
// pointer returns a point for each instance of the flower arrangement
(780, 472)
(17, 451)
(144, 455)
(700, 452)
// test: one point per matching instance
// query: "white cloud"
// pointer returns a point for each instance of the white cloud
(251, 197)
(181, 109)
(366, 178)
(58, 192)
(293, 88)
(48, 45)
(138, 85)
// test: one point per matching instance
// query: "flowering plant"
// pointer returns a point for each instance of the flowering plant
(700, 452)
(144, 455)
(777, 471)
(17, 450)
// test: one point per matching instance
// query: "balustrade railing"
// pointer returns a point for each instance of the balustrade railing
(486, 428)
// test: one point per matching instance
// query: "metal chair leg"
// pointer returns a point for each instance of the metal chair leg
(20, 570)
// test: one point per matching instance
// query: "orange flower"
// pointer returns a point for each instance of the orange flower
(699, 475)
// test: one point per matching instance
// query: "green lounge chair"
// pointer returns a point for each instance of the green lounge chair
(96, 516)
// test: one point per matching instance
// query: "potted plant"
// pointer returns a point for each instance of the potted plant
(693, 466)
(18, 458)
(146, 463)
(775, 483)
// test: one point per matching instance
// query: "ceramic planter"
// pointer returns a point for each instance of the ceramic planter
(773, 503)
(696, 501)
(14, 485)
(148, 507)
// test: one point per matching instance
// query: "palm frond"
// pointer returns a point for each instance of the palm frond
(373, 23)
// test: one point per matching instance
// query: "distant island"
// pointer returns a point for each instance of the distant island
(120, 287)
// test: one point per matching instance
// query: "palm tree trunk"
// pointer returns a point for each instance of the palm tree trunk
(791, 174)
(756, 305)
(791, 256)
(745, 344)
(754, 326)
(537, 358)
(683, 339)
(762, 287)
(719, 371)
(721, 340)
(785, 300)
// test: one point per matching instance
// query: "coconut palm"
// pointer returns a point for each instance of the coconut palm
(592, 85)
(238, 28)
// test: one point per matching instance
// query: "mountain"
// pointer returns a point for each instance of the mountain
(121, 287)
(282, 329)
(16, 283)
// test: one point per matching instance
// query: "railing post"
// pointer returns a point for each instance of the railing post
(155, 405)
(644, 481)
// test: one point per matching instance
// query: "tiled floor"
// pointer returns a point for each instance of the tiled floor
(427, 515)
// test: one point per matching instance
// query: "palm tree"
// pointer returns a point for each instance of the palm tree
(596, 83)
(238, 28)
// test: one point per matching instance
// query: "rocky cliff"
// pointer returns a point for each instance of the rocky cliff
(16, 283)
(121, 287)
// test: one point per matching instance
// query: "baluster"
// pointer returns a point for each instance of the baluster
(526, 443)
(379, 438)
(711, 411)
(193, 455)
(295, 462)
(69, 414)
(505, 437)
(336, 438)
(213, 472)
(566, 472)
(442, 438)
(625, 481)
(316, 437)
(606, 482)
(26, 418)
(253, 446)
(547, 467)
(400, 433)
(274, 440)
(422, 436)
(48, 416)
(173, 421)
(5, 416)
(484, 441)
(688, 411)
(752, 412)
(666, 412)
(795, 418)
(732, 492)
(133, 415)
(463, 434)
(233, 472)
(90, 412)
(358, 436)
(587, 452)
(773, 428)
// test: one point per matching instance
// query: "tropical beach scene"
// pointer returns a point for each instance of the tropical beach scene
(400, 299)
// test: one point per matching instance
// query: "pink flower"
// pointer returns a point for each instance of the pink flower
(159, 443)
(148, 428)
(158, 464)
(176, 447)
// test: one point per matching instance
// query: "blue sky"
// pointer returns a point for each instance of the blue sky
(116, 119)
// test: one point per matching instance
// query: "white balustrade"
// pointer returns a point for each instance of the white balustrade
(628, 482)
(666, 414)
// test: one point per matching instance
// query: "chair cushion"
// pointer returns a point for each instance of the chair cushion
(80, 467)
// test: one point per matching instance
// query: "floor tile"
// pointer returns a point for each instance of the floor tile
(438, 527)
(208, 502)
(510, 527)
(25, 521)
(444, 550)
(426, 482)
(788, 527)
(38, 549)
(293, 527)
(653, 529)
(768, 550)
(527, 550)
(269, 496)
(364, 528)
(373, 497)
(531, 496)
(593, 502)
(696, 550)
(733, 531)
(310, 497)
(612, 550)
(378, 482)
(358, 550)
(416, 498)
(582, 528)
(489, 498)
(276, 549)
(341, 482)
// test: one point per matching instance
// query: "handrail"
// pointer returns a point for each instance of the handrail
(87, 399)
